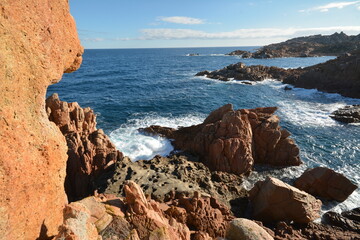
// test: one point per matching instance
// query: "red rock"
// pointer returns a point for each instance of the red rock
(325, 183)
(231, 141)
(38, 44)
(90, 151)
(273, 200)
(147, 218)
(201, 214)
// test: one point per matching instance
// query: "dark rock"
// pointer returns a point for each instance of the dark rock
(243, 54)
(349, 220)
(347, 114)
(287, 88)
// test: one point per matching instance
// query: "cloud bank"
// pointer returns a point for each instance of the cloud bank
(168, 34)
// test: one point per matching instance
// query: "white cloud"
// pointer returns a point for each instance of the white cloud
(182, 20)
(327, 7)
(167, 33)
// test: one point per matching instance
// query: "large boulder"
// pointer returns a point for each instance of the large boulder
(273, 200)
(325, 183)
(38, 44)
(242, 228)
(232, 140)
(90, 151)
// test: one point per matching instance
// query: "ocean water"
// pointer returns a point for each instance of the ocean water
(134, 88)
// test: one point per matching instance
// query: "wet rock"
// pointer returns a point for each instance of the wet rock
(347, 114)
(325, 183)
(90, 151)
(243, 54)
(241, 228)
(348, 220)
(231, 141)
(273, 200)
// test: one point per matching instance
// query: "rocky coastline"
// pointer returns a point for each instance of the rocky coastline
(62, 178)
(310, 46)
(340, 75)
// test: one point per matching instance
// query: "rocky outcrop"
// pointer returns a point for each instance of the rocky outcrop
(243, 54)
(347, 114)
(273, 200)
(348, 220)
(310, 46)
(325, 183)
(148, 219)
(161, 177)
(286, 231)
(199, 213)
(241, 228)
(38, 44)
(231, 141)
(240, 71)
(340, 75)
(90, 151)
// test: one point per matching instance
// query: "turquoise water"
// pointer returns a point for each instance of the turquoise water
(133, 88)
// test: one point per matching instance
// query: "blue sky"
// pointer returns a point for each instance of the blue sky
(207, 23)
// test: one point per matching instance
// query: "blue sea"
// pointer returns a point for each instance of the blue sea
(134, 88)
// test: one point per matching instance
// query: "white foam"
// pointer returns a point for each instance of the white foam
(139, 146)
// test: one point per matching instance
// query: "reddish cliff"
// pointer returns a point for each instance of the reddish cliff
(38, 44)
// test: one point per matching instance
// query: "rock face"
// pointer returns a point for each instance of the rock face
(231, 141)
(90, 151)
(348, 221)
(347, 114)
(273, 200)
(325, 183)
(38, 44)
(202, 214)
(340, 75)
(310, 46)
(148, 219)
(182, 174)
(242, 228)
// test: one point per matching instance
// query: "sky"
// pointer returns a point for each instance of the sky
(208, 23)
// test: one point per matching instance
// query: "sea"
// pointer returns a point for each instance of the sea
(135, 88)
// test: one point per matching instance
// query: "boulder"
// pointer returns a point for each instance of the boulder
(273, 200)
(232, 140)
(39, 42)
(90, 151)
(242, 228)
(77, 224)
(325, 183)
(347, 114)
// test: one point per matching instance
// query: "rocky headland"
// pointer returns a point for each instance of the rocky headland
(340, 75)
(310, 46)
